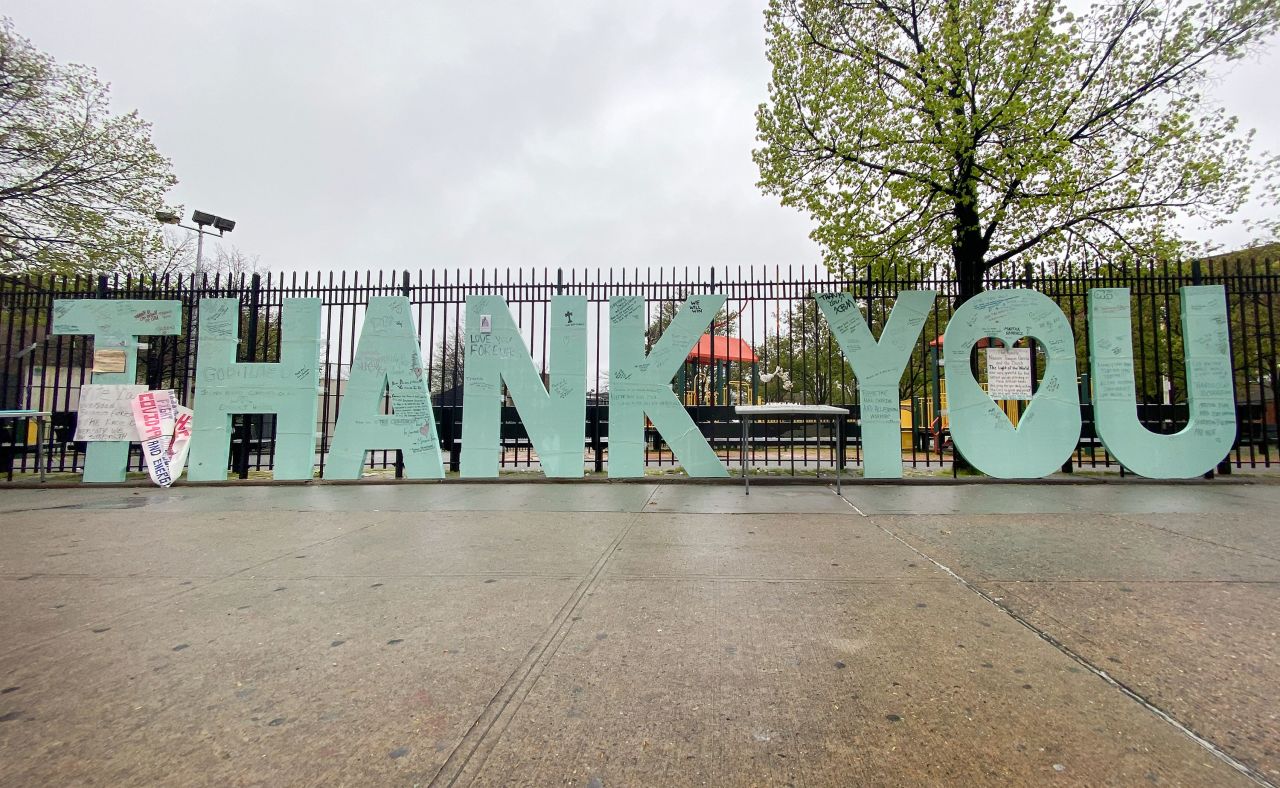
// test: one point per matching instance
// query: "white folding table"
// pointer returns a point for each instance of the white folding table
(817, 412)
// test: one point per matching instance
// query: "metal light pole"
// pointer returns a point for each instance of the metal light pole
(199, 253)
(201, 220)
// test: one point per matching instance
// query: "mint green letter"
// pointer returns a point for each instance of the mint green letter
(1211, 430)
(640, 385)
(115, 325)
(388, 360)
(287, 389)
(1049, 429)
(555, 417)
(878, 367)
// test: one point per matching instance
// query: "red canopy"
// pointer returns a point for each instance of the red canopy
(726, 349)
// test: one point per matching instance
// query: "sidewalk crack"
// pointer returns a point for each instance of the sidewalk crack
(1088, 665)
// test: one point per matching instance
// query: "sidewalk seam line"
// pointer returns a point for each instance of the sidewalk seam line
(473, 749)
(1079, 659)
(1126, 521)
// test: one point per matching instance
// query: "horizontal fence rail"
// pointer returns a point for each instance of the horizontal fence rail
(785, 353)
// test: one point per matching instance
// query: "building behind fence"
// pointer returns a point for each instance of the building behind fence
(770, 332)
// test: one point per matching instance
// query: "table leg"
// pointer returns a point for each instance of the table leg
(40, 446)
(742, 447)
(839, 454)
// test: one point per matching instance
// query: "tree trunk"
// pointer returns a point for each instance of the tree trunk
(968, 250)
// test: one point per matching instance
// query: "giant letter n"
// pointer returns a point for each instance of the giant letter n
(287, 389)
(555, 416)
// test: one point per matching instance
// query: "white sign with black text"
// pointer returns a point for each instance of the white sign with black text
(1009, 372)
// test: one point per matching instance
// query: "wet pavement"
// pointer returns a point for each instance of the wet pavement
(641, 634)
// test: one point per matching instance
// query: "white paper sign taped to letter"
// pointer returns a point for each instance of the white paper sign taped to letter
(106, 412)
(1009, 373)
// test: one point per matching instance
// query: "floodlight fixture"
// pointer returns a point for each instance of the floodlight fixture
(201, 220)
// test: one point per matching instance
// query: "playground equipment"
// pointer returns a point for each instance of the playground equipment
(733, 392)
(705, 378)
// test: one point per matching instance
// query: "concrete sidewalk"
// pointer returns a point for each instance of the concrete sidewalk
(641, 634)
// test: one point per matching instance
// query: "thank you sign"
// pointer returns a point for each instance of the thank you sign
(388, 362)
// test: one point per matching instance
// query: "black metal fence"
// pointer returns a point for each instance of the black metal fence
(785, 353)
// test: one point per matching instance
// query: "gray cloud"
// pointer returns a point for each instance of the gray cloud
(414, 135)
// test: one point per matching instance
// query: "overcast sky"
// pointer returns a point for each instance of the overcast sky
(434, 134)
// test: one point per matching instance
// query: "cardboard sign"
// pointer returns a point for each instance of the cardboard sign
(106, 412)
(108, 360)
